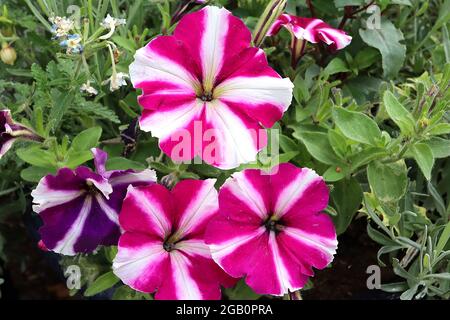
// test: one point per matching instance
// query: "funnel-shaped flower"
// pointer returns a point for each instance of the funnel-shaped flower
(80, 208)
(162, 248)
(312, 30)
(270, 228)
(207, 84)
(11, 131)
(308, 30)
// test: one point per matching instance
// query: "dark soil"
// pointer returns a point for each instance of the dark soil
(347, 277)
(31, 273)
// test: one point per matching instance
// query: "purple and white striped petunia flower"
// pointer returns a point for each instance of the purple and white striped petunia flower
(162, 247)
(312, 30)
(270, 228)
(80, 208)
(10, 131)
(207, 84)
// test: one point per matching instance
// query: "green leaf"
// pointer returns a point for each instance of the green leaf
(336, 65)
(423, 155)
(346, 198)
(126, 293)
(119, 163)
(438, 201)
(445, 236)
(241, 292)
(440, 128)
(125, 43)
(357, 126)
(59, 109)
(395, 287)
(37, 157)
(110, 253)
(102, 283)
(318, 146)
(287, 144)
(74, 159)
(398, 113)
(387, 40)
(365, 58)
(333, 174)
(388, 180)
(379, 237)
(343, 3)
(338, 142)
(440, 147)
(402, 2)
(34, 174)
(365, 156)
(86, 139)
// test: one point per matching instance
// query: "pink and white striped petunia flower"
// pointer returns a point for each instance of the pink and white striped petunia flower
(80, 207)
(205, 83)
(270, 228)
(312, 30)
(162, 247)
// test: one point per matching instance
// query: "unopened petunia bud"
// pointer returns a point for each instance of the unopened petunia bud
(273, 10)
(8, 54)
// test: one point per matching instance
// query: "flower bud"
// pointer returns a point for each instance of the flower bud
(273, 10)
(8, 54)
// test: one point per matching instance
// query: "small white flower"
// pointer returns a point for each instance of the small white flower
(116, 81)
(111, 23)
(90, 90)
(61, 26)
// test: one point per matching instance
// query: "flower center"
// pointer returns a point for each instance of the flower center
(206, 96)
(170, 242)
(168, 246)
(91, 188)
(273, 224)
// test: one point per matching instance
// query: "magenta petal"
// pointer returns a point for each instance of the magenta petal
(242, 250)
(206, 92)
(246, 196)
(147, 210)
(270, 229)
(100, 158)
(141, 261)
(297, 191)
(193, 274)
(80, 208)
(97, 181)
(162, 248)
(212, 36)
(312, 30)
(195, 203)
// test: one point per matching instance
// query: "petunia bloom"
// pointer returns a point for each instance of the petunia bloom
(10, 131)
(80, 207)
(270, 228)
(206, 82)
(310, 30)
(162, 247)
